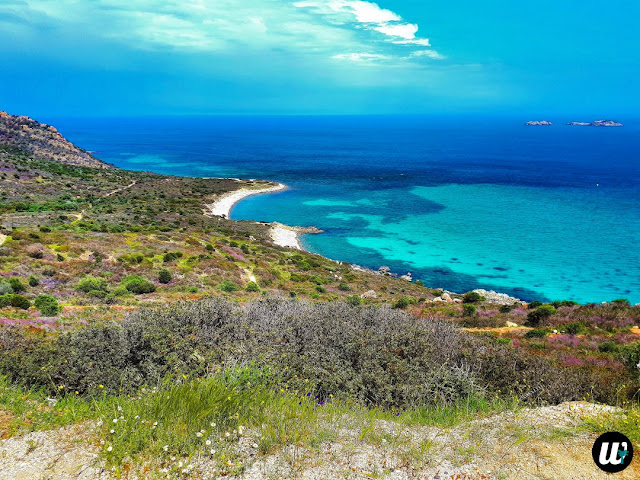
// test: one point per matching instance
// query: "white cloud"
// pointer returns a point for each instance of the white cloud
(429, 54)
(361, 57)
(406, 31)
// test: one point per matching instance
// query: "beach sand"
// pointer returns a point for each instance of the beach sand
(282, 235)
(223, 205)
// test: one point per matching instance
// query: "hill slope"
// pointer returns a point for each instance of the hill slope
(43, 141)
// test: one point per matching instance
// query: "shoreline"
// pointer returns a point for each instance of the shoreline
(282, 235)
(223, 205)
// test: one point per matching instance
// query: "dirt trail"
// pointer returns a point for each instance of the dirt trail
(3, 239)
(121, 189)
(543, 443)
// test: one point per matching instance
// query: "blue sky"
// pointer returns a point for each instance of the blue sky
(139, 57)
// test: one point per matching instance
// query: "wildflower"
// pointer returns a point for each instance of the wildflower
(207, 443)
(99, 423)
(101, 442)
(213, 424)
(109, 448)
(77, 392)
(255, 445)
(165, 448)
(198, 434)
(155, 424)
(136, 417)
(119, 408)
(226, 434)
(240, 429)
(212, 451)
(115, 420)
(112, 431)
(100, 386)
(61, 387)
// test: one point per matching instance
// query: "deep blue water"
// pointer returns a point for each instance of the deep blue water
(537, 212)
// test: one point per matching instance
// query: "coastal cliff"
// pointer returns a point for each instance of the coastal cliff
(43, 141)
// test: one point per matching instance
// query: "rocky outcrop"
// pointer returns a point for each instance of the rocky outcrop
(535, 123)
(43, 141)
(497, 298)
(597, 123)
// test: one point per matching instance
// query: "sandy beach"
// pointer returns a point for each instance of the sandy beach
(285, 236)
(282, 235)
(223, 205)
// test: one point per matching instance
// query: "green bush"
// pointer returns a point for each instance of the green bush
(138, 285)
(539, 315)
(47, 305)
(575, 328)
(534, 304)
(17, 285)
(537, 333)
(608, 347)
(33, 281)
(563, 303)
(164, 276)
(469, 310)
(14, 300)
(5, 287)
(353, 300)
(320, 289)
(171, 256)
(252, 287)
(92, 284)
(344, 287)
(401, 303)
(472, 297)
(228, 286)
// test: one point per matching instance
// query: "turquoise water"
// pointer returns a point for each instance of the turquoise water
(540, 213)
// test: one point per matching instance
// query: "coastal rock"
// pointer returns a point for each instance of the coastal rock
(597, 123)
(511, 324)
(384, 270)
(446, 297)
(496, 298)
(438, 300)
(369, 294)
(535, 123)
(407, 277)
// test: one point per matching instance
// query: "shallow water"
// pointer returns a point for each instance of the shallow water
(537, 212)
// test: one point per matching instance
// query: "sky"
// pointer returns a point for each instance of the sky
(182, 57)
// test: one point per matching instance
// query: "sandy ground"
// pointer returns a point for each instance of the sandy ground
(223, 205)
(532, 444)
(285, 236)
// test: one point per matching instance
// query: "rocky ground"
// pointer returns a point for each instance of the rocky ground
(543, 443)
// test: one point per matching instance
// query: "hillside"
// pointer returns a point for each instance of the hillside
(134, 328)
(43, 141)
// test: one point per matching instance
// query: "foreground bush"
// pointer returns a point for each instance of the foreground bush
(374, 356)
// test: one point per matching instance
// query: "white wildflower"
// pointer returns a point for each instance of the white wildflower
(207, 443)
(165, 448)
(109, 448)
(112, 431)
(115, 420)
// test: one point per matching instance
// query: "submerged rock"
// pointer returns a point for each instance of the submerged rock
(535, 123)
(597, 123)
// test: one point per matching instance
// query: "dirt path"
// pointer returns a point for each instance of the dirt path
(3, 238)
(544, 443)
(121, 189)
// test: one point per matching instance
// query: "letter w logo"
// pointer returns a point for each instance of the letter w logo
(613, 453)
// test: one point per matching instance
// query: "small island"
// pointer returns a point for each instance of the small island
(535, 123)
(597, 123)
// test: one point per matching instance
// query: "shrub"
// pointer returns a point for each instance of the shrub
(17, 285)
(608, 347)
(171, 256)
(574, 328)
(534, 304)
(14, 300)
(539, 315)
(469, 310)
(47, 305)
(537, 333)
(320, 289)
(164, 276)
(344, 287)
(563, 303)
(401, 303)
(621, 303)
(35, 250)
(5, 287)
(353, 300)
(45, 229)
(472, 297)
(228, 286)
(92, 284)
(33, 281)
(138, 285)
(252, 287)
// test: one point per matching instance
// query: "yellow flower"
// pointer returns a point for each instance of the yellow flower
(100, 386)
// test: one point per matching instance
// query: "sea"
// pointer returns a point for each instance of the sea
(462, 202)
